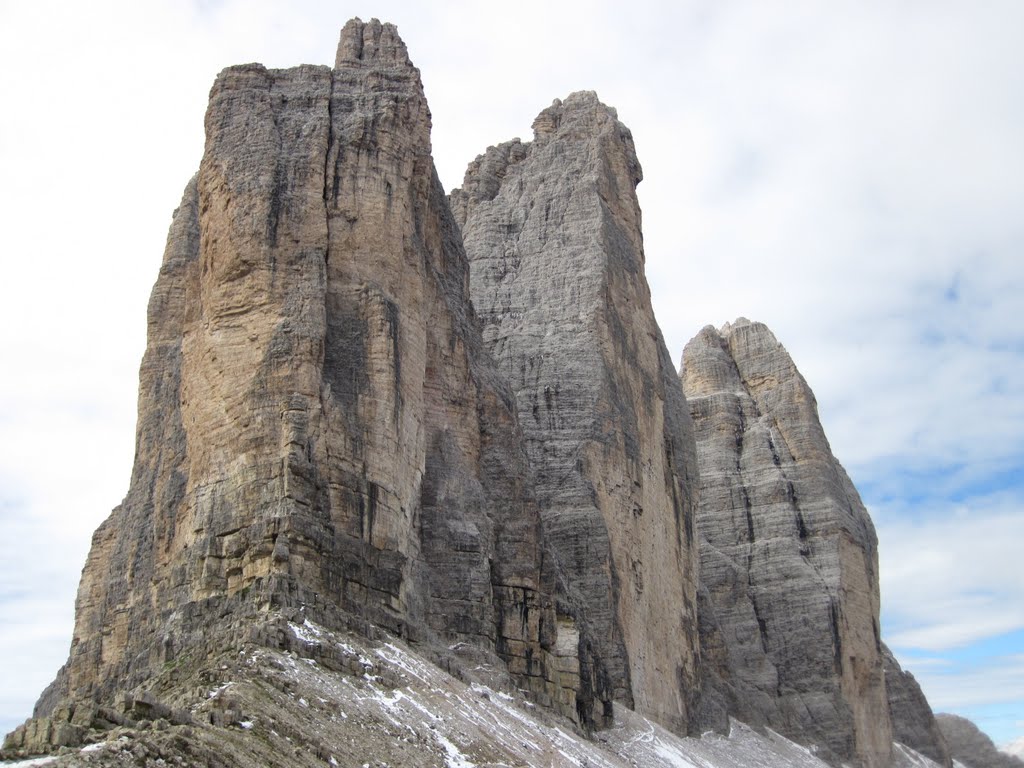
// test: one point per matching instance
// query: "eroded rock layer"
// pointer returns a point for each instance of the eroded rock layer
(319, 423)
(552, 230)
(788, 554)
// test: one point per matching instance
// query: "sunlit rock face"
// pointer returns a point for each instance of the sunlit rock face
(319, 422)
(552, 231)
(788, 554)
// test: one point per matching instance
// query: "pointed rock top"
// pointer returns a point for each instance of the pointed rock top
(577, 106)
(582, 116)
(717, 359)
(370, 42)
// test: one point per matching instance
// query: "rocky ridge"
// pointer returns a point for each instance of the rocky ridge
(552, 231)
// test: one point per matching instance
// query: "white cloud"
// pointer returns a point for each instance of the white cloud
(951, 576)
(1000, 681)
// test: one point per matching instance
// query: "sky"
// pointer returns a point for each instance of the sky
(850, 173)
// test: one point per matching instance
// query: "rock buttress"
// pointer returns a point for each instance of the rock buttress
(788, 553)
(552, 231)
(320, 424)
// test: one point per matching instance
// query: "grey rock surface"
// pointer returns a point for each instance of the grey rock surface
(319, 421)
(788, 555)
(970, 746)
(552, 231)
(913, 722)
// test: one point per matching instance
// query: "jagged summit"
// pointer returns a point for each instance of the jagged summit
(372, 44)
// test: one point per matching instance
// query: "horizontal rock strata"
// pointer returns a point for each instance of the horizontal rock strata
(788, 554)
(552, 230)
(319, 422)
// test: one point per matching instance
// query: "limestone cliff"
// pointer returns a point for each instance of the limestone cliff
(788, 554)
(335, 449)
(913, 723)
(552, 231)
(319, 422)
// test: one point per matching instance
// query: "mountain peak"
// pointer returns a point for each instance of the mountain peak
(371, 41)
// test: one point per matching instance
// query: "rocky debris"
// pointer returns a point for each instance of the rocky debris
(552, 231)
(788, 555)
(319, 422)
(970, 746)
(912, 720)
(299, 694)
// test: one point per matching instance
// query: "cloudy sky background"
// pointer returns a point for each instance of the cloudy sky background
(850, 173)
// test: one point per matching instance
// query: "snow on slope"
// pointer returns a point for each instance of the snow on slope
(474, 725)
(327, 698)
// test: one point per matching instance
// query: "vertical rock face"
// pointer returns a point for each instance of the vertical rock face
(319, 423)
(552, 230)
(913, 723)
(788, 553)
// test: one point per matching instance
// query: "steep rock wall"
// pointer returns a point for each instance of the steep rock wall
(788, 553)
(319, 422)
(552, 230)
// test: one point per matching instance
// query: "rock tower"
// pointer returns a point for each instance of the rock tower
(788, 554)
(552, 231)
(319, 424)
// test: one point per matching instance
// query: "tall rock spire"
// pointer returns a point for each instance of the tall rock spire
(320, 425)
(552, 230)
(788, 554)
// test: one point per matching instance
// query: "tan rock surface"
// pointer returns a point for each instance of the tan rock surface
(319, 423)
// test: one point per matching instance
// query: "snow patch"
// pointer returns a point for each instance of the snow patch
(453, 755)
(216, 692)
(671, 755)
(307, 632)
